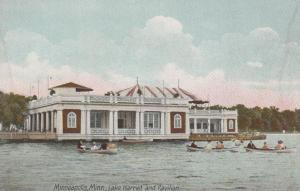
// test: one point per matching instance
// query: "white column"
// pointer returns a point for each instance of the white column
(33, 121)
(142, 123)
(47, 121)
(208, 125)
(83, 122)
(29, 123)
(162, 123)
(59, 122)
(116, 122)
(88, 122)
(137, 122)
(111, 122)
(168, 124)
(38, 122)
(52, 121)
(222, 126)
(187, 124)
(225, 125)
(42, 122)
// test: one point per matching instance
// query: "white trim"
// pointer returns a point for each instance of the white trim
(71, 120)
(177, 121)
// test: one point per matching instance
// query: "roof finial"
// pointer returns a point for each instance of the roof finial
(178, 83)
(137, 80)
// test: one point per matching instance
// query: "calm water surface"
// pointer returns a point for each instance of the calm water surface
(39, 166)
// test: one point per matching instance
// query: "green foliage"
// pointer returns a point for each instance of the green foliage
(265, 119)
(12, 109)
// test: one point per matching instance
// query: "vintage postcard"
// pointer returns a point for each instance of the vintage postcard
(149, 95)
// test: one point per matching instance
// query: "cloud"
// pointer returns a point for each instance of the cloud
(218, 90)
(162, 40)
(255, 64)
(236, 68)
(33, 74)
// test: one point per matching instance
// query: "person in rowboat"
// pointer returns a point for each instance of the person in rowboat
(251, 145)
(194, 145)
(265, 146)
(80, 145)
(280, 145)
(220, 145)
(208, 146)
(94, 147)
(103, 146)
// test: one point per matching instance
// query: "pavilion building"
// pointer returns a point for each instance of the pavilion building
(138, 112)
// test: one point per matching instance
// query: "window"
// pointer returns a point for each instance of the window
(126, 120)
(152, 120)
(205, 125)
(191, 123)
(71, 120)
(199, 124)
(95, 119)
(177, 121)
(231, 124)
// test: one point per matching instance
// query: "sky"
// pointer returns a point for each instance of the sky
(225, 51)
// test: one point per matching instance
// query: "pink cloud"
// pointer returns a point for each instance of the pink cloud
(220, 90)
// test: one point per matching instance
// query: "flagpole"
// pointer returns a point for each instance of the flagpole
(38, 93)
(48, 81)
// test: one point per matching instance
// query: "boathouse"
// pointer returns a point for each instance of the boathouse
(72, 111)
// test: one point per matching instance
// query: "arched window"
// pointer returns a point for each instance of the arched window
(71, 120)
(177, 121)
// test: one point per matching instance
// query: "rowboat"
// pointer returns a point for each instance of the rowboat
(99, 151)
(193, 149)
(288, 150)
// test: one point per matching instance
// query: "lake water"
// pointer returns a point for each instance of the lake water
(160, 165)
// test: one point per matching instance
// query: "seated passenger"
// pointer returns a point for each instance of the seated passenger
(265, 146)
(221, 144)
(237, 143)
(94, 147)
(80, 145)
(251, 145)
(218, 145)
(208, 146)
(103, 146)
(280, 145)
(194, 145)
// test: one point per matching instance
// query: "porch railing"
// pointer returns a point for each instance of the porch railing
(105, 99)
(99, 131)
(152, 131)
(126, 131)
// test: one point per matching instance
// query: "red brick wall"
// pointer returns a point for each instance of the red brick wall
(177, 130)
(78, 121)
(230, 130)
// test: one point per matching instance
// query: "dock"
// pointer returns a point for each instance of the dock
(39, 136)
(226, 136)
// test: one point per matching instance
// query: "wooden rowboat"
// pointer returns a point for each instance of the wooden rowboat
(288, 150)
(193, 149)
(99, 151)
